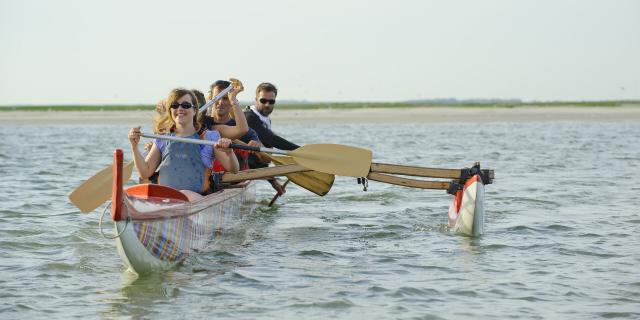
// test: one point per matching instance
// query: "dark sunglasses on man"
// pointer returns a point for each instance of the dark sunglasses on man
(270, 101)
(183, 105)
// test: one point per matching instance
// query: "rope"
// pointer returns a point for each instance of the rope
(108, 206)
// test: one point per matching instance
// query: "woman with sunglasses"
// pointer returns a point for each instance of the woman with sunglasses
(182, 166)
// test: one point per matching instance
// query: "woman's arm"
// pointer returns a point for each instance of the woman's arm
(146, 167)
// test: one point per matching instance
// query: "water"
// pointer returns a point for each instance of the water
(561, 232)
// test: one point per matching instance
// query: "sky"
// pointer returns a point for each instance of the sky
(130, 52)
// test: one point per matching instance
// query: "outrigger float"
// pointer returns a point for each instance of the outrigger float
(156, 227)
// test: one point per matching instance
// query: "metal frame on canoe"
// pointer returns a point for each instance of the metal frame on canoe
(156, 227)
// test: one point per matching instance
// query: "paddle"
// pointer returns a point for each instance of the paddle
(216, 98)
(317, 182)
(97, 189)
(273, 200)
(329, 158)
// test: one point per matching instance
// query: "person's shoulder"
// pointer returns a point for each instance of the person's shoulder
(248, 112)
(212, 135)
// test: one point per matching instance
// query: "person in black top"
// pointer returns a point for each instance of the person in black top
(257, 116)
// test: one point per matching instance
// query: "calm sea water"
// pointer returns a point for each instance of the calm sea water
(562, 232)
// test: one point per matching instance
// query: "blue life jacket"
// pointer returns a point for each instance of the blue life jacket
(181, 167)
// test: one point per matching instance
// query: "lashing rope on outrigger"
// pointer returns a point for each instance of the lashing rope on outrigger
(127, 220)
(467, 173)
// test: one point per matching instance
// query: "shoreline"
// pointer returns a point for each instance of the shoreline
(359, 115)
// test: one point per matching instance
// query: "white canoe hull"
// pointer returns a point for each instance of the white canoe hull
(147, 246)
(466, 213)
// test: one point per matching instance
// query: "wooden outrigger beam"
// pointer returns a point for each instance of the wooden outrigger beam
(263, 173)
(405, 182)
(428, 172)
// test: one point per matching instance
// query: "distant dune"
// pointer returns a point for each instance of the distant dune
(432, 114)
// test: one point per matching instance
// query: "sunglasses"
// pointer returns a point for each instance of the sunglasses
(183, 105)
(264, 101)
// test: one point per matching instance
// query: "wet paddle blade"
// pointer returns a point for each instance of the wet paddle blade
(317, 182)
(97, 190)
(334, 158)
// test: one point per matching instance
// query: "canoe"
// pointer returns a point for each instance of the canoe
(466, 212)
(156, 227)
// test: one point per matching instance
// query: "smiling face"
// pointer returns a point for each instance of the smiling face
(180, 115)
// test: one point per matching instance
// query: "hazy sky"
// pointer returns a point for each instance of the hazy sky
(115, 52)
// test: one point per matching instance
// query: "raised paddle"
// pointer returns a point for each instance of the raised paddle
(329, 158)
(97, 190)
(216, 98)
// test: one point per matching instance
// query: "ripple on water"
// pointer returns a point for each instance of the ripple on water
(382, 235)
(316, 253)
(333, 304)
(615, 315)
(415, 292)
(580, 252)
(559, 227)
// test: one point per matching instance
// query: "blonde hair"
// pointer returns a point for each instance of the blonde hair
(163, 123)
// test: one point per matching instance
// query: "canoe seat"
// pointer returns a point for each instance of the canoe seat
(146, 191)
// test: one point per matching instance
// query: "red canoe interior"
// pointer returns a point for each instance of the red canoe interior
(155, 191)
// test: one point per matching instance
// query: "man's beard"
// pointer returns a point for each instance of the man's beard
(264, 112)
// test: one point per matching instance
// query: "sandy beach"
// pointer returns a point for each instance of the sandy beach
(377, 115)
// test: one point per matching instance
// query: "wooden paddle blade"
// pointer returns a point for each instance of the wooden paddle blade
(317, 182)
(97, 190)
(334, 158)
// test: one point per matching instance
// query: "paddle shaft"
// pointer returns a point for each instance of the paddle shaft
(273, 200)
(216, 98)
(212, 143)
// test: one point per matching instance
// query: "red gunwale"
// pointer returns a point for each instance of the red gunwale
(116, 189)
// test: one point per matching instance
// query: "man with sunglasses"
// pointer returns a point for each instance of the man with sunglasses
(258, 119)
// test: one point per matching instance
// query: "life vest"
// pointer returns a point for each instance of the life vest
(243, 160)
(182, 168)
